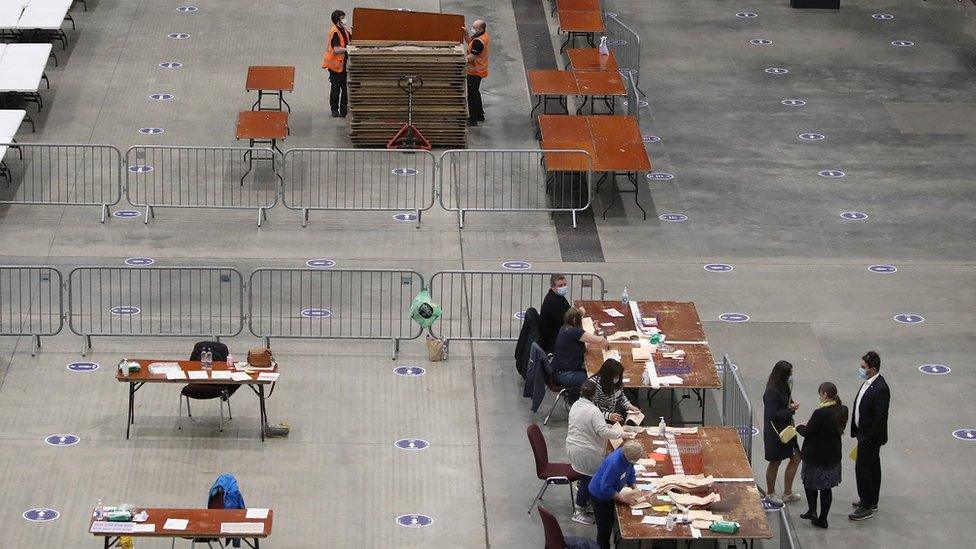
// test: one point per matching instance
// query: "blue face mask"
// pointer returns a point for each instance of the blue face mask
(862, 373)
(562, 290)
(790, 380)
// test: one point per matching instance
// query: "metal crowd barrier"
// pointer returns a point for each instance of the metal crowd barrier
(31, 303)
(787, 538)
(64, 175)
(515, 181)
(333, 304)
(625, 45)
(155, 301)
(490, 305)
(202, 177)
(358, 179)
(736, 407)
(635, 105)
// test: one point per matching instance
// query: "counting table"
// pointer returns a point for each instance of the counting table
(201, 523)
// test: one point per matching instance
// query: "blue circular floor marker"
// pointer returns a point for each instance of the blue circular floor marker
(178, 36)
(810, 136)
(316, 312)
(409, 371)
(882, 16)
(414, 521)
(854, 216)
(83, 366)
(151, 131)
(965, 434)
(720, 367)
(831, 174)
(746, 14)
(746, 432)
(733, 317)
(320, 263)
(161, 96)
(908, 318)
(126, 214)
(903, 43)
(777, 70)
(650, 139)
(124, 310)
(719, 268)
(187, 9)
(139, 261)
(660, 176)
(934, 369)
(139, 169)
(793, 102)
(404, 172)
(516, 265)
(405, 216)
(616, 42)
(883, 269)
(761, 42)
(642, 103)
(519, 315)
(62, 440)
(412, 444)
(673, 217)
(40, 514)
(170, 65)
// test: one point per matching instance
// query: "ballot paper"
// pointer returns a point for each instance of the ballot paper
(656, 521)
(175, 524)
(645, 487)
(614, 313)
(256, 513)
(611, 353)
(642, 353)
(241, 527)
(198, 374)
(629, 335)
(634, 417)
(588, 325)
(670, 380)
(240, 376)
(637, 512)
(220, 374)
(175, 374)
(268, 376)
(143, 528)
(161, 367)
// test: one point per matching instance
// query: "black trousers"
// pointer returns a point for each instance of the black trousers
(867, 469)
(605, 514)
(337, 92)
(476, 110)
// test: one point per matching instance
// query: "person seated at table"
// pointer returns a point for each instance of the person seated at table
(586, 444)
(610, 397)
(568, 366)
(553, 310)
(616, 471)
(821, 452)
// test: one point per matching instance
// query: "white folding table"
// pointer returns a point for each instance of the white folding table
(10, 121)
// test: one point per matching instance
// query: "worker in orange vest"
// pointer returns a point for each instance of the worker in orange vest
(334, 60)
(477, 56)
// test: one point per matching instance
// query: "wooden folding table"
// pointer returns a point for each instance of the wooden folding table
(590, 59)
(201, 524)
(270, 80)
(580, 24)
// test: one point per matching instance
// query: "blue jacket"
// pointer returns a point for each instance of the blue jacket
(614, 473)
(232, 496)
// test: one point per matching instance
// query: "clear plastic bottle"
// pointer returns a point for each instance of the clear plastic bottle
(624, 298)
(662, 427)
(207, 359)
(98, 509)
(669, 524)
(230, 361)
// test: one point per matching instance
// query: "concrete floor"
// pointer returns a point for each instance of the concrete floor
(898, 121)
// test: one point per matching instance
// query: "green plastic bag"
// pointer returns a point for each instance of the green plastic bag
(423, 309)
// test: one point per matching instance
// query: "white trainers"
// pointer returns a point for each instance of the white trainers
(791, 498)
(581, 517)
(774, 499)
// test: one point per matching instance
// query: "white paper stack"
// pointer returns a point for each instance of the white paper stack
(268, 376)
(241, 527)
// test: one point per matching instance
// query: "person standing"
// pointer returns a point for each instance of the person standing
(586, 444)
(616, 471)
(334, 60)
(821, 453)
(554, 308)
(869, 425)
(478, 54)
(778, 410)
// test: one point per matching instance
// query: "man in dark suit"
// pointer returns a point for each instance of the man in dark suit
(869, 425)
(554, 308)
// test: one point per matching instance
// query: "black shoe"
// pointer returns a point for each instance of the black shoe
(481, 118)
(857, 505)
(861, 514)
(342, 114)
(335, 114)
(819, 523)
(809, 515)
(472, 122)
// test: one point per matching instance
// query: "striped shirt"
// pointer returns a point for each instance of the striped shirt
(609, 403)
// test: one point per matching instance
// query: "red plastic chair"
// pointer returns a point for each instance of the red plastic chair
(548, 473)
(553, 532)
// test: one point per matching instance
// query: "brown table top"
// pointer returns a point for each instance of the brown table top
(581, 21)
(715, 451)
(143, 374)
(552, 82)
(614, 142)
(202, 522)
(615, 128)
(562, 128)
(270, 77)
(262, 125)
(589, 59)
(600, 83)
(620, 157)
(578, 5)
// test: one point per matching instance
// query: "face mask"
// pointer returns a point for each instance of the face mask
(862, 373)
(790, 380)
(562, 290)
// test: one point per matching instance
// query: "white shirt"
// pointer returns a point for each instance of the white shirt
(587, 436)
(860, 393)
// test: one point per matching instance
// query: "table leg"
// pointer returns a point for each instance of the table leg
(632, 176)
(539, 99)
(257, 103)
(613, 192)
(130, 419)
(583, 105)
(281, 100)
(264, 414)
(569, 36)
(250, 160)
(589, 38)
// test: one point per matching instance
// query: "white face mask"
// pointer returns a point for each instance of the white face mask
(562, 290)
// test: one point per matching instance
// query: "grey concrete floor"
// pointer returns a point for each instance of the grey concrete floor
(898, 121)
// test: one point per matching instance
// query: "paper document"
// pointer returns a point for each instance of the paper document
(611, 353)
(256, 513)
(656, 521)
(175, 524)
(268, 376)
(175, 374)
(645, 487)
(198, 374)
(241, 527)
(642, 353)
(614, 313)
(624, 336)
(637, 512)
(240, 376)
(143, 528)
(220, 374)
(634, 418)
(588, 325)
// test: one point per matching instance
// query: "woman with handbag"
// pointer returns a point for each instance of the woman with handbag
(779, 435)
(821, 452)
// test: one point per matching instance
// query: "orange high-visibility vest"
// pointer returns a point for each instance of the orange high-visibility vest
(330, 59)
(479, 67)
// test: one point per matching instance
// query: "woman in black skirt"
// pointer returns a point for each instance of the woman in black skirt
(822, 452)
(778, 409)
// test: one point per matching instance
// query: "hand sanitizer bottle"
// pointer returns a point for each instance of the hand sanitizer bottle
(624, 298)
(661, 427)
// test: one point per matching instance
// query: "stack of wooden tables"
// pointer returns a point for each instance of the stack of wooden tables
(388, 45)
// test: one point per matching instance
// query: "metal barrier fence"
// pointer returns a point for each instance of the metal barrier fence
(625, 45)
(31, 303)
(358, 179)
(787, 540)
(635, 105)
(56, 174)
(201, 177)
(515, 181)
(333, 304)
(736, 407)
(490, 305)
(155, 301)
